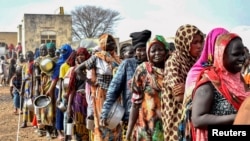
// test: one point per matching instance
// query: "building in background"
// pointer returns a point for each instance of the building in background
(37, 29)
(8, 38)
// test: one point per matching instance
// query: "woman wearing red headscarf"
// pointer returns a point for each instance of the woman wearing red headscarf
(219, 90)
(77, 103)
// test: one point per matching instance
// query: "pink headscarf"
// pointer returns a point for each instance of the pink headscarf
(206, 58)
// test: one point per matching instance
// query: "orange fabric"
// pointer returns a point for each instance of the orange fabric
(108, 57)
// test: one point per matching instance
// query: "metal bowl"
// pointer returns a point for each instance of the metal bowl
(42, 101)
(47, 65)
(115, 115)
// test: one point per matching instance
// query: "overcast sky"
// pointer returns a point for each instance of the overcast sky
(160, 16)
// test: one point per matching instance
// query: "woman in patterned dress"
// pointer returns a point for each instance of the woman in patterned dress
(146, 86)
(188, 44)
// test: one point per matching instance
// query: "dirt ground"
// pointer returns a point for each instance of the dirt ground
(9, 121)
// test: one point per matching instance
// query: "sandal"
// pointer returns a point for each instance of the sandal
(15, 113)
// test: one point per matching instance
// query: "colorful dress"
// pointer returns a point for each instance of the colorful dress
(27, 74)
(47, 113)
(146, 87)
(102, 64)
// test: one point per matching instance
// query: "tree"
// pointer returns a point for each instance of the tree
(92, 21)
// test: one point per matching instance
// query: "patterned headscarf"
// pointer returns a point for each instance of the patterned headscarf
(109, 57)
(206, 59)
(229, 85)
(158, 40)
(180, 62)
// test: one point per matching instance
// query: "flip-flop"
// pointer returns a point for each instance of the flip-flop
(15, 113)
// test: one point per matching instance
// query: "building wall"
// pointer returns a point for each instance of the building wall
(37, 26)
(8, 37)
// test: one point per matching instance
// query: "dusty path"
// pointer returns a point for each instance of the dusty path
(9, 121)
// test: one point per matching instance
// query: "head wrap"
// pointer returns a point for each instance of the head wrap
(84, 51)
(158, 40)
(229, 85)
(50, 45)
(68, 50)
(103, 40)
(206, 58)
(140, 39)
(108, 57)
(180, 62)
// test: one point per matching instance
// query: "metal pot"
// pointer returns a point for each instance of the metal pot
(47, 65)
(115, 115)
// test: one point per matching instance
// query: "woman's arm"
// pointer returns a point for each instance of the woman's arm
(133, 116)
(202, 103)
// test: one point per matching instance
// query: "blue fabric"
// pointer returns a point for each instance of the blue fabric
(61, 60)
(16, 99)
(59, 114)
(119, 87)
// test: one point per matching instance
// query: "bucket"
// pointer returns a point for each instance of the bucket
(69, 128)
(115, 115)
(90, 124)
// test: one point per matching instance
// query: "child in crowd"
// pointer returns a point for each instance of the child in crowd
(15, 86)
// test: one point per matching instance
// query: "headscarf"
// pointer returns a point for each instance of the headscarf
(229, 85)
(206, 59)
(180, 62)
(71, 59)
(50, 45)
(103, 54)
(61, 60)
(157, 40)
(72, 80)
(156, 74)
(140, 39)
(82, 50)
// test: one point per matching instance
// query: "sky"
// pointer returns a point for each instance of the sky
(162, 17)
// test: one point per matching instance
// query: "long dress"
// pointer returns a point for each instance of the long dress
(146, 89)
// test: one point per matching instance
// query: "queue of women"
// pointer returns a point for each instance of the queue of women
(166, 95)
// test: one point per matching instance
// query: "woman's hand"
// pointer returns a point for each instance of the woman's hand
(58, 100)
(103, 122)
(178, 92)
(69, 111)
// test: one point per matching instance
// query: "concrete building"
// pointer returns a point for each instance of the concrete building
(8, 38)
(37, 29)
